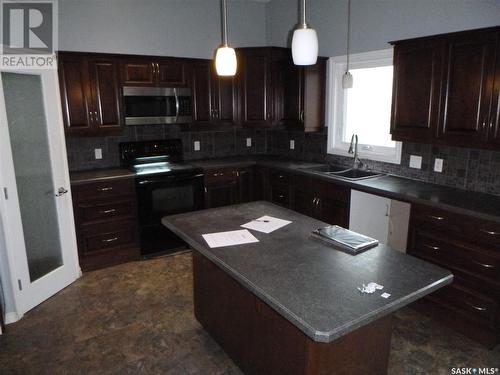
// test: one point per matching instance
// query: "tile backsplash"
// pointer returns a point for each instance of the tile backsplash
(470, 169)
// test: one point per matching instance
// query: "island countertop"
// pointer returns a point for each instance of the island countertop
(309, 283)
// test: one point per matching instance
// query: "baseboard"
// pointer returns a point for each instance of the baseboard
(12, 317)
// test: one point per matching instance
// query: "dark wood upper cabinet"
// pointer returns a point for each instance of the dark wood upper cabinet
(468, 88)
(76, 95)
(201, 86)
(138, 72)
(215, 98)
(446, 89)
(90, 94)
(261, 94)
(416, 89)
(106, 94)
(304, 95)
(151, 71)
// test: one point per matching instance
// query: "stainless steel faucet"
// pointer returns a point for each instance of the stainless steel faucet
(353, 149)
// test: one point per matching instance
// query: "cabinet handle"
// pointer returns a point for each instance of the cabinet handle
(490, 232)
(484, 125)
(205, 190)
(281, 176)
(281, 196)
(478, 308)
(110, 211)
(435, 248)
(153, 67)
(109, 188)
(110, 240)
(439, 218)
(318, 200)
(157, 68)
(268, 116)
(485, 265)
(302, 116)
(91, 115)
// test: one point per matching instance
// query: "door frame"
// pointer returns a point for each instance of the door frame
(10, 209)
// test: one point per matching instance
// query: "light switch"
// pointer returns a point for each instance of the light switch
(249, 142)
(438, 165)
(98, 153)
(415, 162)
(197, 145)
(292, 144)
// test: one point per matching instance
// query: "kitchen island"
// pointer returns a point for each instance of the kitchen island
(289, 304)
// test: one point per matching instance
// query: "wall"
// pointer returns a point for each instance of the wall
(376, 22)
(184, 28)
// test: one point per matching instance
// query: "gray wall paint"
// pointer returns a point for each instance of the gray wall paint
(184, 28)
(375, 22)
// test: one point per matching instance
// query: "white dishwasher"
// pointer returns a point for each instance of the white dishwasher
(381, 218)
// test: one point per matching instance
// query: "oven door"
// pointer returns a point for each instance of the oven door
(160, 196)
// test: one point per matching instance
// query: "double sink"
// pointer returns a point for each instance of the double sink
(351, 174)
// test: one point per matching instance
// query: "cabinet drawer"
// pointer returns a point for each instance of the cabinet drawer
(106, 236)
(278, 177)
(458, 254)
(105, 211)
(103, 190)
(462, 225)
(474, 305)
(280, 195)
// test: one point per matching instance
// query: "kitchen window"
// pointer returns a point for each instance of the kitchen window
(364, 109)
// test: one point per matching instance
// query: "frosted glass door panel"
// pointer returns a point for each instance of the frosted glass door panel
(30, 152)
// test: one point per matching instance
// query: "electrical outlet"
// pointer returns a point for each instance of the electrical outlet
(249, 142)
(415, 162)
(197, 145)
(438, 165)
(98, 153)
(292, 144)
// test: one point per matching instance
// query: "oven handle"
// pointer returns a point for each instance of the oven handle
(147, 182)
(177, 105)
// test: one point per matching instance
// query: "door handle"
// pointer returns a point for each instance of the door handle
(61, 191)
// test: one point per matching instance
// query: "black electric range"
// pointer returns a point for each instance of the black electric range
(165, 185)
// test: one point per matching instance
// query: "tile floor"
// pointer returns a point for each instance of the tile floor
(138, 318)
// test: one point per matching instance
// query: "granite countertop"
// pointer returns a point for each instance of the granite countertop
(310, 284)
(480, 205)
(100, 175)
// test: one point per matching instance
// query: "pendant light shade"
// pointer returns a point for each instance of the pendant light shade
(225, 57)
(225, 61)
(304, 42)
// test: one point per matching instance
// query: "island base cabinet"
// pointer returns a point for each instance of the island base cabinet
(260, 341)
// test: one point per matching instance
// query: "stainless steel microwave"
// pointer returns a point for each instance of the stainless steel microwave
(157, 105)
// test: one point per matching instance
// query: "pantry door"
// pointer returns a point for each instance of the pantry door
(35, 197)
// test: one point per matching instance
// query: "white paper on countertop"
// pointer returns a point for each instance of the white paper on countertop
(230, 238)
(266, 224)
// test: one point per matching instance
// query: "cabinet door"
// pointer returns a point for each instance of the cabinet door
(245, 181)
(170, 72)
(221, 193)
(333, 211)
(468, 89)
(494, 131)
(305, 202)
(138, 72)
(201, 87)
(293, 95)
(313, 96)
(416, 90)
(104, 78)
(256, 87)
(76, 94)
(224, 98)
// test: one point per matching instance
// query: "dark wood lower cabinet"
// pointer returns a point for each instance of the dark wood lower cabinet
(261, 341)
(226, 186)
(468, 247)
(106, 223)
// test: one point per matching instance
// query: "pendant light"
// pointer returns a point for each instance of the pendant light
(347, 78)
(304, 41)
(225, 58)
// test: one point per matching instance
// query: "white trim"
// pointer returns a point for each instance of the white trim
(12, 317)
(335, 104)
